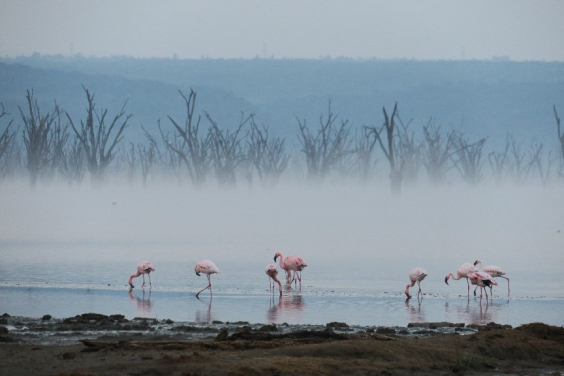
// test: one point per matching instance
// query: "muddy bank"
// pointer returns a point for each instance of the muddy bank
(112, 345)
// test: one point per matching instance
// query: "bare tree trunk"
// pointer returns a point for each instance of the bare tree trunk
(437, 151)
(226, 150)
(469, 160)
(390, 148)
(7, 138)
(97, 140)
(37, 137)
(325, 150)
(266, 155)
(187, 144)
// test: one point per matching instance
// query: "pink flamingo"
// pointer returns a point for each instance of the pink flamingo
(272, 273)
(144, 267)
(462, 272)
(289, 264)
(494, 271)
(416, 275)
(207, 267)
(483, 280)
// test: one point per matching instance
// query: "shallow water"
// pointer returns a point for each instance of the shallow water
(65, 252)
(33, 284)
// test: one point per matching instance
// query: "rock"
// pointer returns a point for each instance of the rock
(337, 325)
(6, 315)
(435, 325)
(69, 355)
(268, 328)
(3, 330)
(385, 330)
(223, 334)
(46, 317)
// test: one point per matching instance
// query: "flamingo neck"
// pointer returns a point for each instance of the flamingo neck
(134, 275)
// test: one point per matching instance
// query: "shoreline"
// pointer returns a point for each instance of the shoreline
(94, 344)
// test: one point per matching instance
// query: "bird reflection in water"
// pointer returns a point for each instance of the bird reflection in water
(415, 309)
(475, 312)
(288, 308)
(144, 305)
(204, 315)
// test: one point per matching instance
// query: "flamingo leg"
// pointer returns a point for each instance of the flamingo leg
(150, 284)
(207, 287)
(143, 285)
(419, 292)
(507, 284)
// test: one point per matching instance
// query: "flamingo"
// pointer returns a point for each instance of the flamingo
(492, 270)
(483, 280)
(416, 275)
(207, 267)
(462, 272)
(272, 273)
(289, 264)
(144, 267)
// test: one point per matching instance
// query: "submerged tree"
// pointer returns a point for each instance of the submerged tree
(266, 154)
(469, 160)
(325, 149)
(390, 148)
(187, 145)
(226, 150)
(437, 149)
(99, 138)
(38, 137)
(7, 137)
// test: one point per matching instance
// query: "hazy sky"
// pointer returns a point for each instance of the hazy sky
(436, 29)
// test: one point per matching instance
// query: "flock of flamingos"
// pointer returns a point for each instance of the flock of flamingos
(293, 265)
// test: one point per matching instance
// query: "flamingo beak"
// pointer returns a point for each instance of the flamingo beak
(446, 281)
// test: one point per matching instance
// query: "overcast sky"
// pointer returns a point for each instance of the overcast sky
(411, 29)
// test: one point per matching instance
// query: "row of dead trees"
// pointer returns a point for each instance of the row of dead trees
(56, 145)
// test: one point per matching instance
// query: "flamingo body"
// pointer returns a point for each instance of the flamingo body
(494, 271)
(207, 267)
(291, 264)
(463, 271)
(272, 274)
(415, 276)
(483, 280)
(144, 267)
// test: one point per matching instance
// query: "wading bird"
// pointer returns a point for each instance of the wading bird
(207, 267)
(462, 272)
(291, 264)
(416, 275)
(492, 270)
(144, 267)
(483, 280)
(272, 273)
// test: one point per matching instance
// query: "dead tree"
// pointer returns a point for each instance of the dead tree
(187, 145)
(267, 155)
(7, 138)
(498, 162)
(226, 151)
(410, 153)
(365, 141)
(73, 165)
(389, 146)
(149, 156)
(324, 150)
(38, 137)
(469, 161)
(560, 134)
(517, 167)
(436, 151)
(98, 138)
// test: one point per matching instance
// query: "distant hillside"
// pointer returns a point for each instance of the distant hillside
(481, 98)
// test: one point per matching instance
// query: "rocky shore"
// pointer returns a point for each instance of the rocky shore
(94, 344)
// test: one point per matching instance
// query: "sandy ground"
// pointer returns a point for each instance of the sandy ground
(532, 349)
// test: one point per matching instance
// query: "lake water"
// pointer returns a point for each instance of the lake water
(69, 251)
